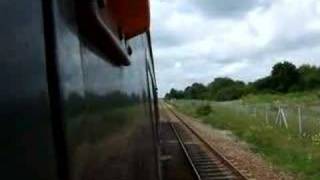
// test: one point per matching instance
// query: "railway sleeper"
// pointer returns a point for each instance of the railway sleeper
(195, 151)
(201, 158)
(200, 155)
(215, 174)
(221, 178)
(209, 163)
(211, 170)
(206, 160)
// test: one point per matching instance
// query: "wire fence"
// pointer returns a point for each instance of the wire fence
(301, 119)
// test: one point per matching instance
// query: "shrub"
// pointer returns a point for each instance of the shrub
(204, 110)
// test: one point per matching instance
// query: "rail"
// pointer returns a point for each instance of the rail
(204, 166)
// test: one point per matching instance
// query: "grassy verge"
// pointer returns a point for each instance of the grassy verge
(306, 98)
(283, 148)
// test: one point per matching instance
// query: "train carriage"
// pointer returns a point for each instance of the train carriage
(78, 95)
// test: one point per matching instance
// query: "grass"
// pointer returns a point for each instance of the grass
(306, 98)
(308, 102)
(283, 148)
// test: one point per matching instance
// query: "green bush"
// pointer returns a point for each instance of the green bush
(203, 110)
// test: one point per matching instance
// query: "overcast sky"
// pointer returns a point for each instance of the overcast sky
(198, 40)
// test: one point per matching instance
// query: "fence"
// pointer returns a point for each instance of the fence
(301, 119)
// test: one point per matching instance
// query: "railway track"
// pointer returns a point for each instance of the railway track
(205, 161)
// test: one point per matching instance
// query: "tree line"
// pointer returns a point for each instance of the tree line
(285, 77)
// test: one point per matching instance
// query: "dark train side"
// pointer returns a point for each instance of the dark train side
(78, 91)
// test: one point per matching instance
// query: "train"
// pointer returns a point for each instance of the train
(78, 91)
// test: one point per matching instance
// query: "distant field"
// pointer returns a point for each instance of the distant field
(285, 148)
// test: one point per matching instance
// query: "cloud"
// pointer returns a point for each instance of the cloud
(228, 8)
(201, 40)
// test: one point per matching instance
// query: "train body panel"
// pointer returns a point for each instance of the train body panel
(27, 144)
(89, 118)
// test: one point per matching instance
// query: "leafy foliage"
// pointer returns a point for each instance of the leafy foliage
(309, 77)
(203, 110)
(285, 77)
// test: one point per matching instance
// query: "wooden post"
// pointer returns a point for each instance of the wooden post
(281, 118)
(284, 118)
(255, 112)
(267, 114)
(300, 120)
(278, 116)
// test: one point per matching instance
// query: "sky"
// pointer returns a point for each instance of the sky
(199, 40)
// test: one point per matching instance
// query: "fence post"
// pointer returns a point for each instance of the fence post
(281, 118)
(267, 114)
(300, 120)
(255, 111)
(278, 116)
(284, 118)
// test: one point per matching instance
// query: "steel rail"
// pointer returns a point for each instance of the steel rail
(182, 145)
(216, 152)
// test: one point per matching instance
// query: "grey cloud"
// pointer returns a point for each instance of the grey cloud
(286, 44)
(224, 60)
(165, 38)
(306, 40)
(228, 8)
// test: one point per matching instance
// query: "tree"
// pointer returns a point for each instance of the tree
(218, 84)
(265, 84)
(284, 76)
(230, 93)
(195, 91)
(174, 94)
(309, 77)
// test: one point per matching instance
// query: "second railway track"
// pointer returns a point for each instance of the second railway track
(205, 161)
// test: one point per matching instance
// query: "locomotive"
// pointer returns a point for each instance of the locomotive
(78, 95)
